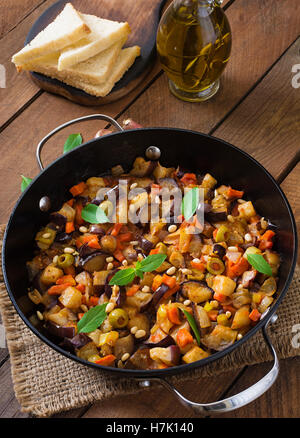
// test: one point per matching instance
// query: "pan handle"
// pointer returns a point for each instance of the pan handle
(236, 401)
(71, 122)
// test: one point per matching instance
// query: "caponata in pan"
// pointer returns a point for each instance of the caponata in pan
(122, 289)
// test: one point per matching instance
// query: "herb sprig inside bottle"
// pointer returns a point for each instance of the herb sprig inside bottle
(149, 264)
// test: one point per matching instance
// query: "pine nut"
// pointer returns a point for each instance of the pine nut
(248, 237)
(84, 308)
(46, 236)
(186, 271)
(115, 289)
(134, 330)
(133, 186)
(69, 250)
(83, 229)
(230, 218)
(109, 259)
(109, 307)
(239, 336)
(124, 262)
(110, 266)
(146, 289)
(125, 357)
(241, 201)
(140, 334)
(171, 270)
(187, 302)
(120, 364)
(172, 228)
(39, 315)
(55, 259)
(134, 242)
(232, 248)
(140, 257)
(228, 314)
(196, 260)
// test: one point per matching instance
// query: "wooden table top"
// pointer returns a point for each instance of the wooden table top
(256, 109)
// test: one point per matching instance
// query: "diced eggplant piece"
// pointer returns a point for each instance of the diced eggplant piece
(169, 356)
(216, 216)
(93, 262)
(248, 277)
(85, 251)
(159, 293)
(140, 360)
(60, 331)
(63, 237)
(219, 250)
(196, 291)
(78, 341)
(208, 230)
(121, 298)
(145, 244)
(124, 345)
(201, 317)
(130, 254)
(59, 221)
(142, 168)
(38, 284)
(164, 342)
(97, 229)
(220, 338)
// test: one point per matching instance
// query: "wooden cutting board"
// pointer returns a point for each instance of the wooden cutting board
(143, 17)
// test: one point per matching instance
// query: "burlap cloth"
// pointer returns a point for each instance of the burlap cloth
(46, 382)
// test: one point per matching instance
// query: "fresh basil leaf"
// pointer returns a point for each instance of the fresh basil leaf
(192, 322)
(139, 273)
(25, 182)
(259, 263)
(123, 277)
(94, 214)
(92, 319)
(152, 262)
(190, 203)
(72, 142)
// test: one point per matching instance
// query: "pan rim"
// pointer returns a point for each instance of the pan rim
(179, 368)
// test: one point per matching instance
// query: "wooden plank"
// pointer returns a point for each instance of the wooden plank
(9, 406)
(266, 122)
(14, 11)
(290, 187)
(281, 401)
(260, 35)
(19, 89)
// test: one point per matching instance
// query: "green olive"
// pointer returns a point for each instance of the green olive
(215, 266)
(65, 260)
(222, 234)
(109, 243)
(118, 318)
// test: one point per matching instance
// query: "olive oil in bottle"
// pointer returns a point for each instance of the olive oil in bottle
(193, 44)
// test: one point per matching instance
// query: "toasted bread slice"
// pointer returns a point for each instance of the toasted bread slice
(124, 61)
(104, 33)
(67, 28)
(95, 70)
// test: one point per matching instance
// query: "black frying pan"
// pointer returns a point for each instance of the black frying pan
(192, 150)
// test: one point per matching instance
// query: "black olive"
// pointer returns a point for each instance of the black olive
(219, 250)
